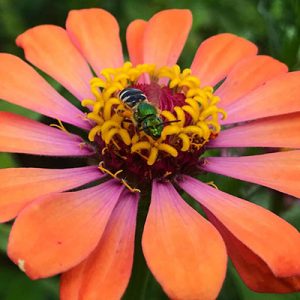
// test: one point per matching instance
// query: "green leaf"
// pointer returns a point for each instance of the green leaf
(6, 161)
(15, 285)
(5, 106)
(247, 294)
(292, 215)
(4, 233)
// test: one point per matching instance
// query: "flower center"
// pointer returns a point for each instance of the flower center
(151, 122)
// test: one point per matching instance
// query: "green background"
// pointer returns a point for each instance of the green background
(273, 25)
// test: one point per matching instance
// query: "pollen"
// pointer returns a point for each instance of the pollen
(148, 114)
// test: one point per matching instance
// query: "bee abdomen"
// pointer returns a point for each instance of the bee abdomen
(132, 96)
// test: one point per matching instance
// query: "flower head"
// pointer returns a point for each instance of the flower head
(146, 124)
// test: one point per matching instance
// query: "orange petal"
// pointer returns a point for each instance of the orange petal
(274, 242)
(217, 55)
(134, 37)
(279, 131)
(20, 186)
(70, 282)
(49, 48)
(105, 274)
(21, 135)
(61, 229)
(22, 85)
(165, 36)
(253, 270)
(247, 75)
(184, 252)
(277, 97)
(279, 171)
(95, 32)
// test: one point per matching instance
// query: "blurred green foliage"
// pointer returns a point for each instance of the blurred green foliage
(273, 25)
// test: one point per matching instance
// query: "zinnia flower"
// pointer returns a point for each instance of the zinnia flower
(150, 140)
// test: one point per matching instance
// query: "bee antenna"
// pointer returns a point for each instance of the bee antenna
(168, 122)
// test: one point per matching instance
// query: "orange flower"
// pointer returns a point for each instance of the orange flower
(150, 143)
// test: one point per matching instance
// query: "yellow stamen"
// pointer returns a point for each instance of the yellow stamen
(125, 136)
(180, 115)
(167, 174)
(191, 125)
(193, 129)
(87, 102)
(168, 115)
(109, 134)
(60, 126)
(153, 147)
(98, 106)
(82, 145)
(135, 139)
(116, 145)
(104, 170)
(104, 150)
(170, 130)
(95, 117)
(93, 132)
(115, 176)
(140, 146)
(185, 142)
(211, 183)
(204, 127)
(108, 107)
(189, 109)
(108, 125)
(168, 149)
(194, 104)
(214, 126)
(131, 189)
(152, 156)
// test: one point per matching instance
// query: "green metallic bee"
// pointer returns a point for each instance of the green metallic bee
(144, 113)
